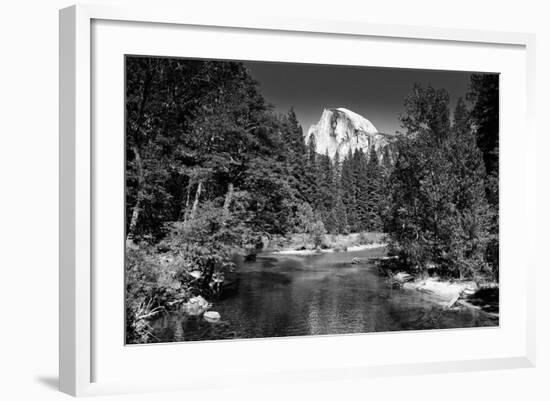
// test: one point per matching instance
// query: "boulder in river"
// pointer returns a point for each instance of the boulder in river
(251, 257)
(196, 306)
(196, 274)
(396, 285)
(403, 277)
(212, 316)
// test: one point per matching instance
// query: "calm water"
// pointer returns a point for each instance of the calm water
(311, 295)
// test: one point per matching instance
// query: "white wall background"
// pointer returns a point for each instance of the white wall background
(29, 186)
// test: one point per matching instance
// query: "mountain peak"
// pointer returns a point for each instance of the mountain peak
(340, 130)
(359, 121)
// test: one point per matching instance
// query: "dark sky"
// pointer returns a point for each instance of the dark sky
(375, 93)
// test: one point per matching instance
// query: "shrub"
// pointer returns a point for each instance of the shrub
(365, 238)
(318, 233)
(152, 280)
(340, 248)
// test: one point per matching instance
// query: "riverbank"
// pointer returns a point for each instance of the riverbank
(452, 293)
(305, 252)
(300, 244)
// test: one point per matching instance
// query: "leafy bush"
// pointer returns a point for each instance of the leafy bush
(318, 233)
(152, 280)
(365, 238)
(206, 243)
(190, 260)
(338, 247)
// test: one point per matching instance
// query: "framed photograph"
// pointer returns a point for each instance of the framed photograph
(276, 200)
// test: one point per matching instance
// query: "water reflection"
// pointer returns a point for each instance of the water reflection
(312, 295)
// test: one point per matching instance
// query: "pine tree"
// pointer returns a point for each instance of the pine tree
(461, 118)
(296, 156)
(348, 190)
(326, 201)
(484, 94)
(294, 136)
(427, 109)
(362, 190)
(339, 209)
(374, 177)
(310, 181)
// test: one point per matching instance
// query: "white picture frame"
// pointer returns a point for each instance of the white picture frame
(82, 345)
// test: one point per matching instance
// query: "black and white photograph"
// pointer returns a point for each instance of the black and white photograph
(267, 201)
(271, 199)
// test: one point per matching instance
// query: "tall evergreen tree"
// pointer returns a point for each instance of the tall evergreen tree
(338, 207)
(484, 94)
(375, 182)
(325, 204)
(427, 109)
(349, 196)
(362, 190)
(296, 150)
(461, 118)
(310, 178)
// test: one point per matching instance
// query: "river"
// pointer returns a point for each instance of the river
(291, 295)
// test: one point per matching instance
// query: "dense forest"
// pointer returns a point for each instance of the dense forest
(212, 170)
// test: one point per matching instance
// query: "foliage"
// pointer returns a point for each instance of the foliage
(305, 218)
(318, 233)
(484, 94)
(152, 280)
(439, 215)
(365, 239)
(211, 170)
(427, 109)
(188, 122)
(205, 243)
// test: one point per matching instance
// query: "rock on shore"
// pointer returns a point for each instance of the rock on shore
(212, 316)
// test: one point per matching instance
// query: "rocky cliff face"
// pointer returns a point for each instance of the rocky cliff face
(341, 130)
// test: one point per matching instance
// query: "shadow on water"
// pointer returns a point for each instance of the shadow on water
(487, 299)
(291, 295)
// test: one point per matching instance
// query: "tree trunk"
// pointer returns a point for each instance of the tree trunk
(140, 194)
(186, 207)
(137, 155)
(196, 201)
(227, 202)
(228, 197)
